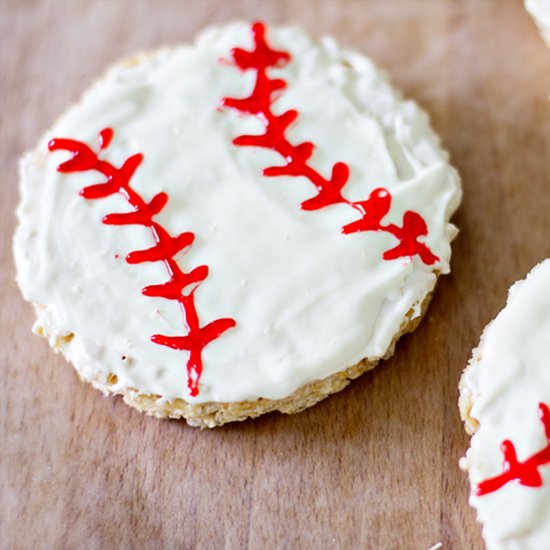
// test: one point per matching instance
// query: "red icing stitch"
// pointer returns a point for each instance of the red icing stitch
(260, 103)
(527, 472)
(181, 286)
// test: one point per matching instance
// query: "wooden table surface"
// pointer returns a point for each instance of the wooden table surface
(372, 467)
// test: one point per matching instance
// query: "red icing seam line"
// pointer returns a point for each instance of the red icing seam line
(118, 181)
(526, 472)
(260, 103)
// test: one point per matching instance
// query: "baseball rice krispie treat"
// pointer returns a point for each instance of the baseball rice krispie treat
(540, 12)
(504, 401)
(237, 226)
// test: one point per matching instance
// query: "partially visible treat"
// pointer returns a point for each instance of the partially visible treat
(540, 12)
(504, 402)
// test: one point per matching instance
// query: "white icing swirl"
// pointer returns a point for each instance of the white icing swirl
(508, 377)
(308, 300)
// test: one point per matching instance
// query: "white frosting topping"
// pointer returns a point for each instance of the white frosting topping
(308, 300)
(508, 377)
(540, 10)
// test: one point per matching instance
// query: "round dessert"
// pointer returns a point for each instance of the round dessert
(504, 401)
(238, 226)
(540, 12)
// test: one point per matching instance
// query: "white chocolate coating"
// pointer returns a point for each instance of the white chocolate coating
(508, 377)
(308, 300)
(540, 12)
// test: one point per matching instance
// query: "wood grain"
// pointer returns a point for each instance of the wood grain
(372, 467)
